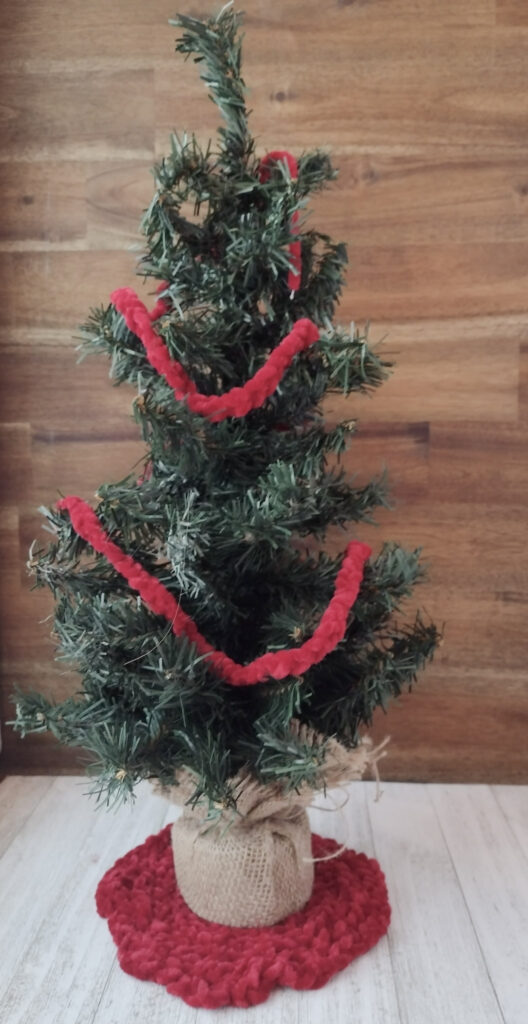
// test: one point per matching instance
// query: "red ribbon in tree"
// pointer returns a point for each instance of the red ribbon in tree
(294, 275)
(236, 402)
(239, 400)
(275, 665)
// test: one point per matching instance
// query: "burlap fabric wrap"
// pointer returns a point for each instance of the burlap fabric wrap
(253, 866)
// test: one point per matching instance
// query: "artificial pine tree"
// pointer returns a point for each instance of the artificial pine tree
(237, 492)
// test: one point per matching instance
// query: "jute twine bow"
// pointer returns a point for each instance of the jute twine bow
(257, 802)
(249, 862)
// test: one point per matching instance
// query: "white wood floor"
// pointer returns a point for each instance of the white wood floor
(456, 862)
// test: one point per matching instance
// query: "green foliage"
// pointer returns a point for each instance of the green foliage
(226, 514)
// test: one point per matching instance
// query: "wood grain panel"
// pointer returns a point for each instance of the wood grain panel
(43, 203)
(512, 13)
(479, 462)
(390, 282)
(67, 285)
(117, 193)
(441, 372)
(122, 32)
(425, 108)
(76, 114)
(523, 382)
(93, 409)
(381, 199)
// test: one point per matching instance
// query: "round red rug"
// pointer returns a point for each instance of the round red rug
(210, 965)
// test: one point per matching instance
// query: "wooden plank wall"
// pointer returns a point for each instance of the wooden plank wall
(425, 108)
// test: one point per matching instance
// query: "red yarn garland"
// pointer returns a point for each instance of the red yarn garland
(276, 665)
(160, 939)
(294, 275)
(162, 306)
(239, 400)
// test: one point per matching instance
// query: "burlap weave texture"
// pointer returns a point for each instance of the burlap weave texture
(253, 867)
(253, 871)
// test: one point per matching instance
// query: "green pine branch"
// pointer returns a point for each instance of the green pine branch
(228, 516)
(217, 45)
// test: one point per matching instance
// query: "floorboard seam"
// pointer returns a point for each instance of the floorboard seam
(403, 1019)
(513, 834)
(477, 937)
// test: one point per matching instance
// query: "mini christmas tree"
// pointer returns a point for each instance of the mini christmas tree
(220, 648)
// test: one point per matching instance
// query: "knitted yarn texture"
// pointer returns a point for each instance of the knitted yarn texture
(266, 165)
(238, 401)
(277, 665)
(159, 938)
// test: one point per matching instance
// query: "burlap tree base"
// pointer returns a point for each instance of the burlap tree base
(253, 873)
(253, 866)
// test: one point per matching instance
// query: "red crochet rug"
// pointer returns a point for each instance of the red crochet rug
(210, 965)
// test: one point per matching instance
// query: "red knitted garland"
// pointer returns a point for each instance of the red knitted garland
(294, 275)
(239, 400)
(276, 665)
(210, 965)
(162, 306)
(236, 402)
